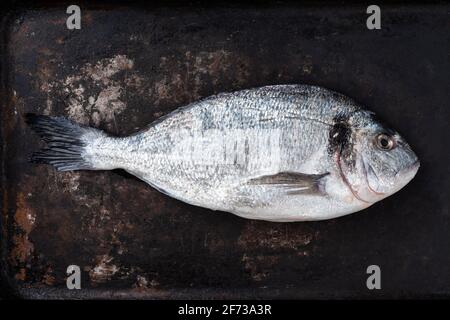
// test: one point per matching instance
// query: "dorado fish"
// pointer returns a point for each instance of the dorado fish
(277, 153)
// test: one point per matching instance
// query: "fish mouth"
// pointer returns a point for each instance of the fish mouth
(414, 167)
(405, 174)
(410, 171)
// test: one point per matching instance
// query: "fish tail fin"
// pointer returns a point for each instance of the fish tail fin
(68, 144)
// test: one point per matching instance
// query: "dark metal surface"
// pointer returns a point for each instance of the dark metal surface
(126, 67)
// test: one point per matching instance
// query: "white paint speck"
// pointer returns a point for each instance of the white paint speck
(104, 270)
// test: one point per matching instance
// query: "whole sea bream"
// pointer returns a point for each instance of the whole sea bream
(278, 153)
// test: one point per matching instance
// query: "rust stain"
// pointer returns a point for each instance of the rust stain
(13, 105)
(190, 74)
(24, 216)
(260, 266)
(61, 40)
(214, 243)
(135, 81)
(48, 277)
(5, 210)
(142, 284)
(264, 245)
(24, 219)
(274, 236)
(45, 51)
(23, 248)
(307, 66)
(21, 275)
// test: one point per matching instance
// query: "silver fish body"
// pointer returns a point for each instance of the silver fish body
(278, 153)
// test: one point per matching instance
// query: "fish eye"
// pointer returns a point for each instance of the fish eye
(385, 142)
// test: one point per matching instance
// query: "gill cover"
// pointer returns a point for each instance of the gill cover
(345, 149)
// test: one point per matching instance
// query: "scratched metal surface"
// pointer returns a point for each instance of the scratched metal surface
(128, 66)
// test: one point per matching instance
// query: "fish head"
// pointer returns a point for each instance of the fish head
(377, 161)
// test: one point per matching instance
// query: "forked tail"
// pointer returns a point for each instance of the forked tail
(69, 146)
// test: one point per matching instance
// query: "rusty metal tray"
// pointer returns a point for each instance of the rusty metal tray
(128, 65)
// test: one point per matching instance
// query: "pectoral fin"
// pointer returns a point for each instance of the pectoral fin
(293, 182)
